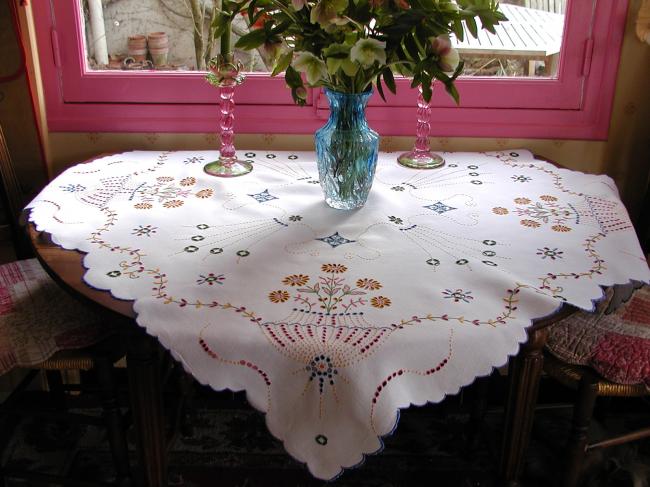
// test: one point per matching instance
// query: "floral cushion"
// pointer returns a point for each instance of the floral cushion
(615, 344)
(38, 318)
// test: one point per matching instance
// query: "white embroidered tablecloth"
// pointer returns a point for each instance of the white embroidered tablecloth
(333, 320)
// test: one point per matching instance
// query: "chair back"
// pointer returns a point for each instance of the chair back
(13, 200)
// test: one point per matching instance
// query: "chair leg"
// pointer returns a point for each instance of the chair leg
(113, 419)
(578, 439)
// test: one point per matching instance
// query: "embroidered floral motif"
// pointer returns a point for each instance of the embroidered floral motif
(173, 203)
(211, 279)
(204, 193)
(439, 207)
(550, 253)
(521, 178)
(547, 198)
(193, 160)
(395, 220)
(295, 218)
(561, 228)
(335, 240)
(296, 280)
(263, 196)
(458, 295)
(530, 223)
(73, 188)
(334, 268)
(369, 284)
(189, 181)
(397, 188)
(380, 302)
(279, 296)
(144, 230)
(164, 179)
(322, 370)
(522, 201)
(143, 206)
(500, 210)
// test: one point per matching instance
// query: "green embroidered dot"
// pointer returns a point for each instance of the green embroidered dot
(202, 226)
(216, 250)
(243, 253)
(433, 262)
(270, 156)
(489, 262)
(191, 248)
(476, 181)
(473, 174)
(321, 440)
(250, 154)
(197, 238)
(293, 157)
(489, 242)
(462, 261)
(114, 274)
(489, 253)
(472, 167)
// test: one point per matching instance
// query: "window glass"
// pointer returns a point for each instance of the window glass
(166, 35)
(529, 44)
(175, 35)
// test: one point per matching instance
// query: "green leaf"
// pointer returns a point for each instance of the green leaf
(426, 91)
(292, 77)
(451, 89)
(471, 26)
(389, 80)
(283, 63)
(379, 88)
(252, 40)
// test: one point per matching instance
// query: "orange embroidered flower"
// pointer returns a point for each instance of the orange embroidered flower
(188, 181)
(173, 203)
(369, 284)
(380, 302)
(164, 179)
(296, 280)
(500, 210)
(529, 223)
(143, 206)
(561, 228)
(278, 296)
(205, 193)
(546, 197)
(522, 201)
(334, 268)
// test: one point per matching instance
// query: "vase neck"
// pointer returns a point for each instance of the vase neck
(347, 110)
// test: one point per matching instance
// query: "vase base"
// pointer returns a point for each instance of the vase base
(343, 204)
(228, 168)
(421, 160)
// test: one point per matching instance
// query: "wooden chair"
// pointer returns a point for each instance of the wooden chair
(43, 328)
(591, 354)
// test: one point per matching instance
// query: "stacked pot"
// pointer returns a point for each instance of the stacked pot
(158, 44)
(158, 47)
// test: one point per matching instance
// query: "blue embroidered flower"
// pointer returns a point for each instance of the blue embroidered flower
(458, 295)
(73, 188)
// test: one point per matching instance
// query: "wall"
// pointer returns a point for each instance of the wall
(625, 155)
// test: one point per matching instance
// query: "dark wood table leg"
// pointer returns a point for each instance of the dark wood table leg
(145, 390)
(525, 371)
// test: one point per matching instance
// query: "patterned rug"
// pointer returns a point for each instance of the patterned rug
(230, 446)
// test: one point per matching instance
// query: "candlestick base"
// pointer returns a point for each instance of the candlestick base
(421, 160)
(228, 167)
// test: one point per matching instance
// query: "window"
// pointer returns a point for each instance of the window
(549, 73)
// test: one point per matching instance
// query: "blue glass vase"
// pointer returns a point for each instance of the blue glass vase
(346, 149)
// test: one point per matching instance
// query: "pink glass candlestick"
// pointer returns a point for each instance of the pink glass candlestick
(421, 156)
(226, 75)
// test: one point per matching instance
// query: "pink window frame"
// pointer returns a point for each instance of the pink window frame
(577, 104)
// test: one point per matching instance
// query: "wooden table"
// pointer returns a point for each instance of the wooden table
(66, 267)
(529, 35)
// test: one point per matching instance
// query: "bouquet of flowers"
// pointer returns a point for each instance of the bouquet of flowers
(347, 45)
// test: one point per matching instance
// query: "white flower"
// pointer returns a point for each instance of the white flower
(315, 68)
(367, 51)
(449, 61)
